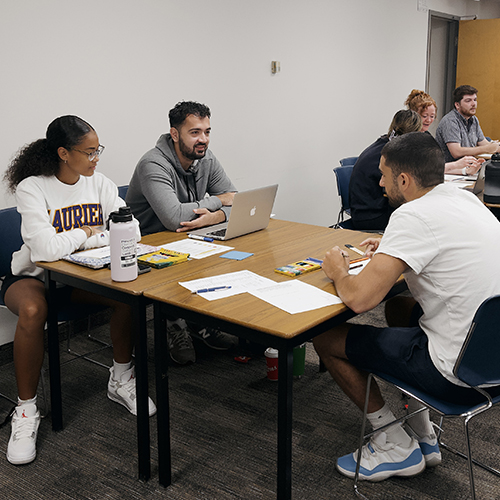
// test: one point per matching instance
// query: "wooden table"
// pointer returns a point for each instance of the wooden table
(250, 318)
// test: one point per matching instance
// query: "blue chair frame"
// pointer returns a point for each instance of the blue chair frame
(477, 364)
(343, 176)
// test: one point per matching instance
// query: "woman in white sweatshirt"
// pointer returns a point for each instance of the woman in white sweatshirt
(64, 205)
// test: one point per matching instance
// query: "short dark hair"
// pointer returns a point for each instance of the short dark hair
(181, 110)
(417, 154)
(459, 92)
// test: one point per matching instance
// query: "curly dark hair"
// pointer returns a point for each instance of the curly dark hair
(41, 156)
(182, 109)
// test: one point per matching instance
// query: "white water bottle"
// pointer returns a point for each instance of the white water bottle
(123, 245)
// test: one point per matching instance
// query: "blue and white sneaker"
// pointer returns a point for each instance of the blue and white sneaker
(428, 444)
(381, 459)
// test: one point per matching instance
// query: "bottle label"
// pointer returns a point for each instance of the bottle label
(128, 253)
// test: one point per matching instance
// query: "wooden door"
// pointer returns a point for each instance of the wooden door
(478, 65)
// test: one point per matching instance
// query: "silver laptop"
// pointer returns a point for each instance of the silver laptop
(250, 212)
(479, 185)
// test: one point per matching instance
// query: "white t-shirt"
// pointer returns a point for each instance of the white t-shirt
(52, 213)
(450, 242)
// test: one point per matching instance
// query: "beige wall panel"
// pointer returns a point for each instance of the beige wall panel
(478, 65)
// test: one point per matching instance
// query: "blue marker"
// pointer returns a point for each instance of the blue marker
(201, 238)
(312, 259)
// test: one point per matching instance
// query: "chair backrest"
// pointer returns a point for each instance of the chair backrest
(10, 222)
(122, 191)
(343, 175)
(350, 160)
(478, 361)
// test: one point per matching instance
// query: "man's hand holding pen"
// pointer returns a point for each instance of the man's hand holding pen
(336, 261)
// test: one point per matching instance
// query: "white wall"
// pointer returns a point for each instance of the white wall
(346, 68)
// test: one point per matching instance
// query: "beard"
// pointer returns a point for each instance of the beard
(467, 112)
(191, 154)
(395, 199)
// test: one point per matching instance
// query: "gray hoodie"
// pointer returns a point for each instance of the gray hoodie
(162, 194)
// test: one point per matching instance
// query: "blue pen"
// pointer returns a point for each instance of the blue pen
(201, 238)
(214, 289)
(312, 259)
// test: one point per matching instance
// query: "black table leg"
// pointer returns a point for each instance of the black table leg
(162, 397)
(141, 368)
(54, 358)
(285, 382)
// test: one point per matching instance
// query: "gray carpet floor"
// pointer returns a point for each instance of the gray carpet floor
(223, 428)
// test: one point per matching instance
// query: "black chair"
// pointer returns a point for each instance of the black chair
(477, 364)
(343, 176)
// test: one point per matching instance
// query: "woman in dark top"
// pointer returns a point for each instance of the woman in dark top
(370, 209)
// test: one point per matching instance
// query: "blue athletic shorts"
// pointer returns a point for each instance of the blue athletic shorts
(403, 353)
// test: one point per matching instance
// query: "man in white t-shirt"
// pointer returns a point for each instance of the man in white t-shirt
(442, 239)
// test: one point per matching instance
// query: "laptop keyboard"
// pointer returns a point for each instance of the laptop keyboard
(219, 232)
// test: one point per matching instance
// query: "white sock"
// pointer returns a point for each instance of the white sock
(420, 423)
(23, 402)
(27, 405)
(395, 433)
(120, 368)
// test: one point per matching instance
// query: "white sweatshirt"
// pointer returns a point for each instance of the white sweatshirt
(53, 212)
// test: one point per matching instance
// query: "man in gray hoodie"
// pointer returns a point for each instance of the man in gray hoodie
(179, 185)
(170, 184)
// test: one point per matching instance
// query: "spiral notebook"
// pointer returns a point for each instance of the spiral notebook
(99, 258)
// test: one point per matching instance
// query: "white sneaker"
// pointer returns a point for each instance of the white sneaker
(428, 444)
(381, 459)
(123, 391)
(22, 443)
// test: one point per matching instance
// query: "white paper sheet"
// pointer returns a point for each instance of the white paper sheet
(296, 296)
(196, 249)
(461, 181)
(240, 282)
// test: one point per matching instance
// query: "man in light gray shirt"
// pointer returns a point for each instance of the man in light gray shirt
(179, 185)
(458, 133)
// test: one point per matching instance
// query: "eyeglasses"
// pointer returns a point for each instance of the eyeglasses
(95, 154)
